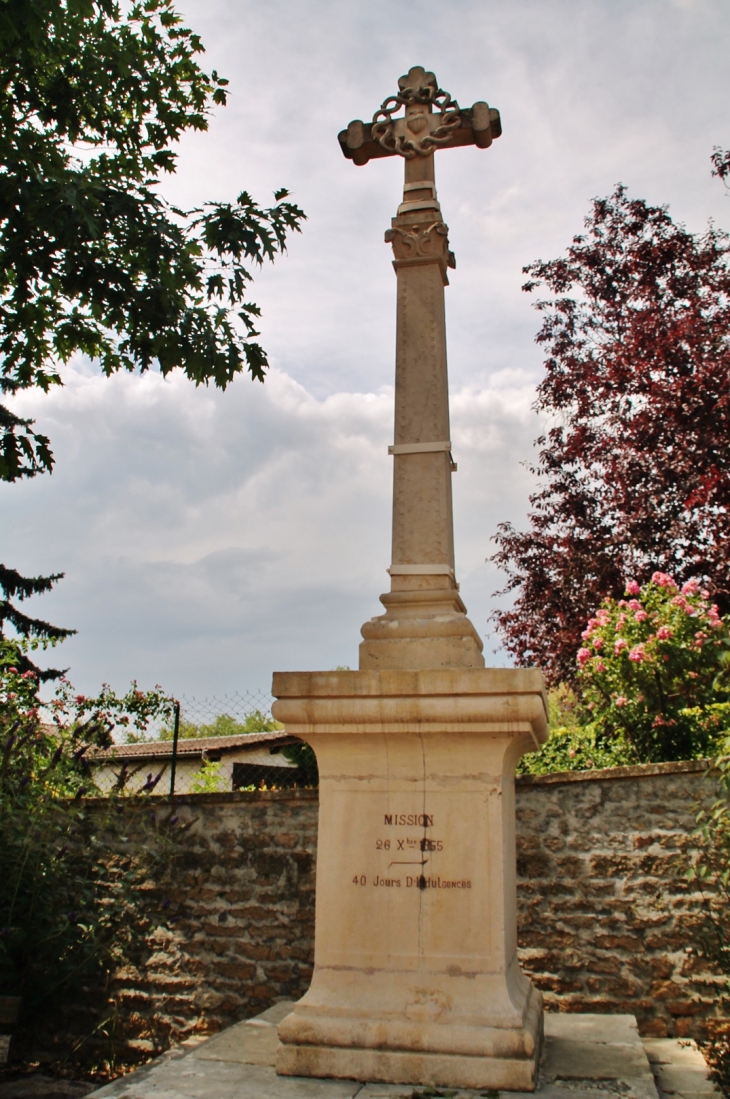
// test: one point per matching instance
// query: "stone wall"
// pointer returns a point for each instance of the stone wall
(239, 932)
(605, 917)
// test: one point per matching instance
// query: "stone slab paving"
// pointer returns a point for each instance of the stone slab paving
(584, 1057)
(679, 1069)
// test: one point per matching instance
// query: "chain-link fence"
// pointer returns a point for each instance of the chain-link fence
(210, 745)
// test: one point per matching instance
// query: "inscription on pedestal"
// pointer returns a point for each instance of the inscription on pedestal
(406, 858)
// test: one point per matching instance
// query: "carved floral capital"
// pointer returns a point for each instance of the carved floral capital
(424, 243)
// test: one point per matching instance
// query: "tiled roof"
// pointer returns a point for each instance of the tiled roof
(194, 746)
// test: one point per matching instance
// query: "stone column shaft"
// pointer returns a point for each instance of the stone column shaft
(425, 624)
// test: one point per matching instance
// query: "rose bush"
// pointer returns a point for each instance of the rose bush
(573, 744)
(654, 672)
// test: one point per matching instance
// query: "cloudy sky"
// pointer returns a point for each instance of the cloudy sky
(209, 539)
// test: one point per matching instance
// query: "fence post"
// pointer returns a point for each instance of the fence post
(175, 735)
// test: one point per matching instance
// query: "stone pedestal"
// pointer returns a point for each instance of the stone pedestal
(416, 979)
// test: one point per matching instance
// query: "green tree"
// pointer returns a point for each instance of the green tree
(224, 725)
(15, 586)
(94, 95)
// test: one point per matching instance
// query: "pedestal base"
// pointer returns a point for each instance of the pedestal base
(401, 1052)
(416, 978)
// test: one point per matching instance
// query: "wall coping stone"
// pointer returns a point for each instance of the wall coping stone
(614, 774)
(555, 778)
(227, 797)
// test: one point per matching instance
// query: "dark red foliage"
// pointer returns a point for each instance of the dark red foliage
(721, 163)
(635, 462)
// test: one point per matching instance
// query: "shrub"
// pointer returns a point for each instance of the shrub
(70, 868)
(573, 744)
(653, 672)
(653, 683)
(710, 871)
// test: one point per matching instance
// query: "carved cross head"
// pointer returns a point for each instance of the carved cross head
(431, 119)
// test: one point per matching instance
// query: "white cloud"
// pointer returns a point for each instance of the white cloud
(209, 537)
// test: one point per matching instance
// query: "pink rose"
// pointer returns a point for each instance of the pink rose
(600, 666)
(603, 617)
(592, 623)
(621, 700)
(691, 587)
(598, 642)
(620, 620)
(619, 645)
(663, 633)
(632, 588)
(583, 656)
(634, 605)
(664, 581)
(640, 616)
(681, 602)
(637, 654)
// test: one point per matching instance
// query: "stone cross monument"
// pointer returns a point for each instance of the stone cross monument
(416, 978)
(425, 623)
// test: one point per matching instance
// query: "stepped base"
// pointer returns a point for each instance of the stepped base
(432, 1055)
(421, 629)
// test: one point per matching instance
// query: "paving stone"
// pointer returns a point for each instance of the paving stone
(679, 1069)
(585, 1057)
(252, 1042)
(191, 1078)
(38, 1086)
(601, 1052)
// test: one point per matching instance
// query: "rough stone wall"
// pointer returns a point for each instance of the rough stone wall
(605, 917)
(240, 928)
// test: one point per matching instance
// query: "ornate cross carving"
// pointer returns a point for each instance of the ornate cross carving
(431, 120)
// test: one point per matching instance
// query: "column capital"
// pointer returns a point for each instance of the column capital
(423, 241)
